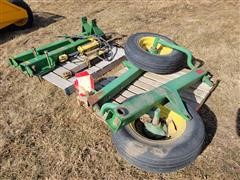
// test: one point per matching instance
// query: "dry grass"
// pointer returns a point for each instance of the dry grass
(44, 134)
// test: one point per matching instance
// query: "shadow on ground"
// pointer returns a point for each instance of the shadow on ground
(210, 122)
(238, 122)
(41, 19)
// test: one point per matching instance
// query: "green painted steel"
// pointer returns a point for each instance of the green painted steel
(173, 46)
(41, 60)
(119, 115)
(118, 84)
(156, 116)
(47, 61)
(160, 130)
(92, 28)
(154, 50)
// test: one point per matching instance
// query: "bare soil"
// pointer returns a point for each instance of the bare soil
(44, 134)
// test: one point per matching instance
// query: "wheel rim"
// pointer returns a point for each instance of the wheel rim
(175, 123)
(146, 44)
(22, 22)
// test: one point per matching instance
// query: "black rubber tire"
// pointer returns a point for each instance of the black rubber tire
(25, 6)
(161, 64)
(165, 155)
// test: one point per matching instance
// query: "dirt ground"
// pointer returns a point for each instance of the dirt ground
(44, 134)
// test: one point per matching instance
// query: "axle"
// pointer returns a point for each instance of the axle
(119, 115)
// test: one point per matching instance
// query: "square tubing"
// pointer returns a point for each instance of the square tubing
(114, 87)
(41, 62)
(119, 115)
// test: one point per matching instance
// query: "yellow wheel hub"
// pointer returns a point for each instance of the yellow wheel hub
(146, 43)
(175, 123)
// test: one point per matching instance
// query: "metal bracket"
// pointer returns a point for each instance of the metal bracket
(175, 100)
(114, 87)
(154, 50)
(92, 28)
(122, 114)
(86, 28)
(174, 46)
(41, 60)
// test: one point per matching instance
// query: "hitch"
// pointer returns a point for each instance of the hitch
(119, 115)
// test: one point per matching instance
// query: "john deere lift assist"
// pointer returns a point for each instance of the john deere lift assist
(39, 61)
(173, 133)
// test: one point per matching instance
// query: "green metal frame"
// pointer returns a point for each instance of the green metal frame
(114, 87)
(119, 115)
(41, 60)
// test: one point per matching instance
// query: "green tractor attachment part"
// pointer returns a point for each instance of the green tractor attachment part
(158, 40)
(39, 61)
(154, 50)
(92, 28)
(160, 130)
(119, 115)
(114, 87)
